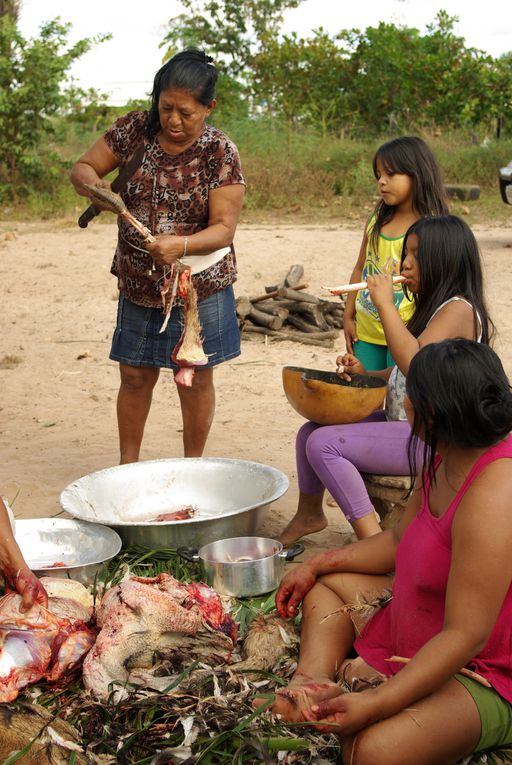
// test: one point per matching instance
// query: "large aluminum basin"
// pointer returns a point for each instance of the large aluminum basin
(230, 497)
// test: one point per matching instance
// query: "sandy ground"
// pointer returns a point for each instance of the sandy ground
(57, 406)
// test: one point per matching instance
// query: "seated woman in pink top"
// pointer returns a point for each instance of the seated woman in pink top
(438, 655)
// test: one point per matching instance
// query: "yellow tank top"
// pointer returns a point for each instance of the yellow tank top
(386, 260)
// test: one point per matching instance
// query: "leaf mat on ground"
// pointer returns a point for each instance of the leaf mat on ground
(207, 717)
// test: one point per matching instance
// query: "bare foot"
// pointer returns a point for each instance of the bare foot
(301, 526)
(300, 696)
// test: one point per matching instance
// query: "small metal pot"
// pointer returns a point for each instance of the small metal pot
(242, 566)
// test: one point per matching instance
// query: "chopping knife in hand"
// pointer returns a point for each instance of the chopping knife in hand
(117, 185)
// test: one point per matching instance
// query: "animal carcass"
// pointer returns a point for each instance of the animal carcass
(144, 620)
(41, 642)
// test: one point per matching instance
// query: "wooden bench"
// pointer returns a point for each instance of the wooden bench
(387, 493)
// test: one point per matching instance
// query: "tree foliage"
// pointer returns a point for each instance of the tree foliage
(34, 85)
(387, 78)
(230, 30)
(233, 32)
(301, 81)
(363, 84)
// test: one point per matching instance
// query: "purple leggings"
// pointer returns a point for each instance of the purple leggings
(333, 456)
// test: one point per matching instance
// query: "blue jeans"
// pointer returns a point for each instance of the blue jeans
(137, 340)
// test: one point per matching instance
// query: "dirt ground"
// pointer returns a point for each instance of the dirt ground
(57, 406)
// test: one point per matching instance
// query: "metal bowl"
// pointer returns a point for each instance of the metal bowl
(242, 567)
(327, 399)
(229, 496)
(83, 548)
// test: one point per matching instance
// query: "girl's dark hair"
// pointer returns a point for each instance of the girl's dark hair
(191, 70)
(460, 395)
(411, 156)
(449, 265)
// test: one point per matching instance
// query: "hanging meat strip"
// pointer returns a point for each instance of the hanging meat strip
(188, 352)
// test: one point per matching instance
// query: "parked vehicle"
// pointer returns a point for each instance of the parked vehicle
(506, 183)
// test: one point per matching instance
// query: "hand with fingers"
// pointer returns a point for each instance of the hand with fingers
(26, 584)
(347, 365)
(293, 589)
(380, 287)
(167, 249)
(344, 714)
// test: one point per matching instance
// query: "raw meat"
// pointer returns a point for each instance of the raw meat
(183, 514)
(144, 620)
(38, 644)
(189, 352)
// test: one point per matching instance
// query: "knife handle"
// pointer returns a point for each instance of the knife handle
(88, 215)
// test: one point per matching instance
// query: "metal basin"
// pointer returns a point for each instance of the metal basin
(83, 548)
(327, 399)
(230, 498)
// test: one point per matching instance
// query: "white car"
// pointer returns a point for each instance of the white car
(506, 183)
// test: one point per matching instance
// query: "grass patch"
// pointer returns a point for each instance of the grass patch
(204, 716)
(296, 176)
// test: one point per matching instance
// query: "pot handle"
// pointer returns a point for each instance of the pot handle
(292, 551)
(189, 553)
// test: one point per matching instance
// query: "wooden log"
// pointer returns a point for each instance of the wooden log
(329, 334)
(329, 306)
(265, 319)
(302, 324)
(310, 312)
(243, 307)
(294, 337)
(305, 297)
(274, 310)
(273, 293)
(280, 302)
(325, 335)
(334, 321)
(294, 276)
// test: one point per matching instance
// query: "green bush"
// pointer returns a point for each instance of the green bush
(286, 170)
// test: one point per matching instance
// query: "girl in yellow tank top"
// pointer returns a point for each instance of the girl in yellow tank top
(411, 187)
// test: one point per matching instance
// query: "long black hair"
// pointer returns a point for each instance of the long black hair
(410, 156)
(449, 265)
(460, 395)
(191, 70)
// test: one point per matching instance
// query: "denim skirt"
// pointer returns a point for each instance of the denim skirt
(137, 340)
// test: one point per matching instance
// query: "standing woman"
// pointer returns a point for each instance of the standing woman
(188, 191)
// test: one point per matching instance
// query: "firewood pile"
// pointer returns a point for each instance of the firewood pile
(286, 311)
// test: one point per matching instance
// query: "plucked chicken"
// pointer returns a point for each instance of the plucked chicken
(146, 620)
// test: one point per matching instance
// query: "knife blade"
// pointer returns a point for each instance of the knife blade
(117, 184)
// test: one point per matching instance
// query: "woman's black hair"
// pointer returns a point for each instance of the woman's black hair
(410, 156)
(449, 264)
(461, 397)
(191, 70)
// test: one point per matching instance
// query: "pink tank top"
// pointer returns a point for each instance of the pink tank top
(416, 612)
